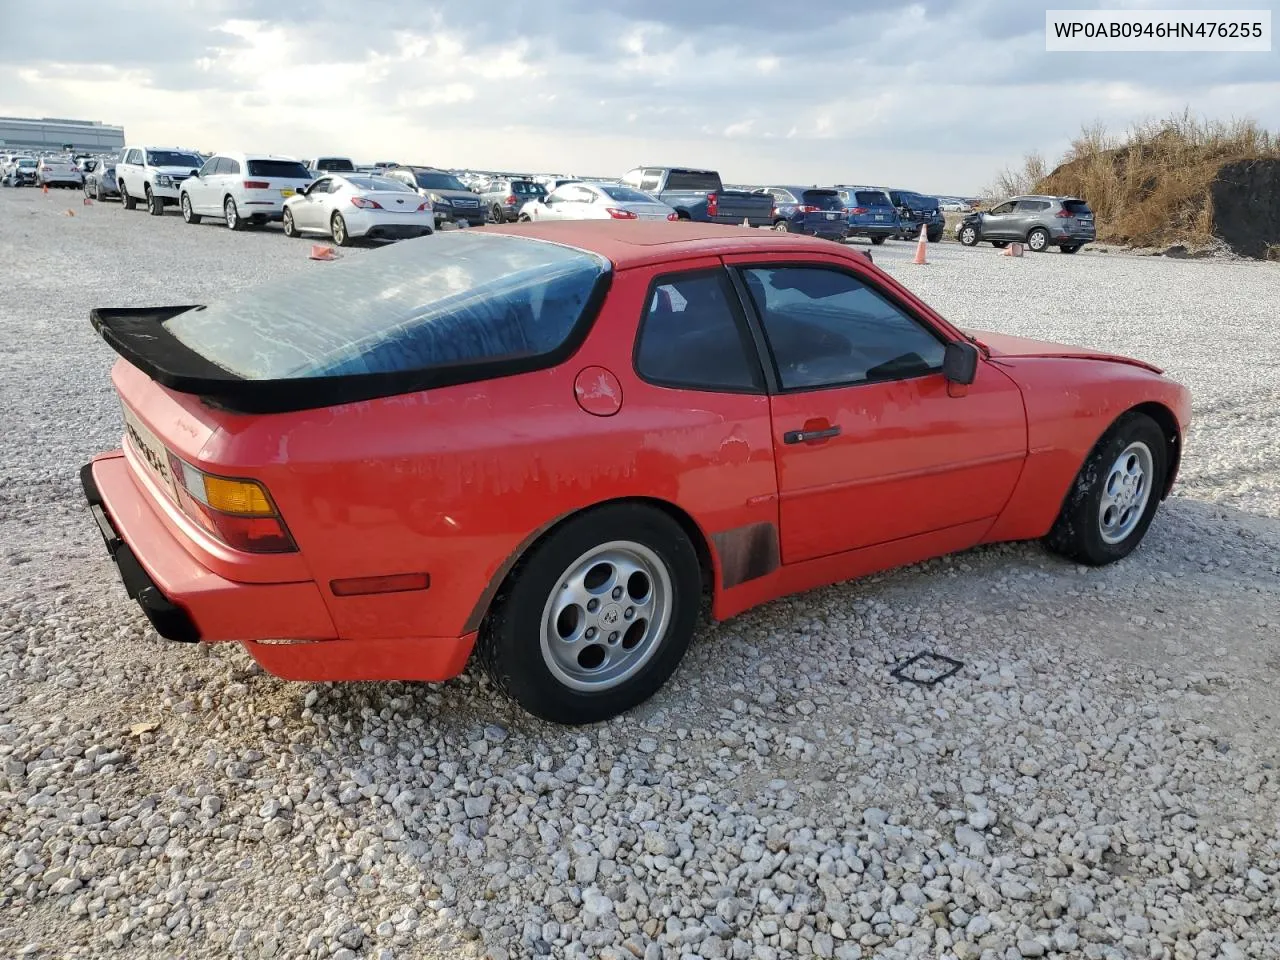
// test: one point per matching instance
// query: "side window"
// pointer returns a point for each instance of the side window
(691, 336)
(229, 166)
(323, 185)
(1031, 206)
(632, 177)
(1006, 207)
(135, 157)
(651, 181)
(579, 194)
(210, 166)
(826, 327)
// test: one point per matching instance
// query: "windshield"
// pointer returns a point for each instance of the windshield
(454, 298)
(172, 158)
(285, 169)
(625, 194)
(335, 165)
(26, 163)
(430, 180)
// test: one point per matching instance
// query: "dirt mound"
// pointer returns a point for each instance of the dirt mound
(1245, 201)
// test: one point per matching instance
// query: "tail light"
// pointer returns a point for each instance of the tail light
(257, 185)
(806, 208)
(365, 204)
(620, 214)
(1064, 214)
(673, 216)
(424, 207)
(713, 205)
(237, 512)
(510, 200)
(858, 210)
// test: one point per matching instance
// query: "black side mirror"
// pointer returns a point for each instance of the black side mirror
(960, 362)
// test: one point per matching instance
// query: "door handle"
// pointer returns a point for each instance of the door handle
(804, 436)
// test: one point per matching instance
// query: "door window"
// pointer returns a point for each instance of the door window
(1006, 207)
(1032, 206)
(827, 328)
(651, 181)
(692, 337)
(209, 168)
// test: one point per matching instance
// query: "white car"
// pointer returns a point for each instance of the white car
(58, 172)
(242, 189)
(353, 206)
(596, 201)
(153, 175)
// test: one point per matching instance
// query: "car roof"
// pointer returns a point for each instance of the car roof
(794, 187)
(632, 244)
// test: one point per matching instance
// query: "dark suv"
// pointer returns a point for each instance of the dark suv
(915, 210)
(812, 210)
(1040, 222)
(450, 200)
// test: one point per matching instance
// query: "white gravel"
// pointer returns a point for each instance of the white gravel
(1098, 781)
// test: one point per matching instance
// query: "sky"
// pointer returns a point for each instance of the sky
(936, 95)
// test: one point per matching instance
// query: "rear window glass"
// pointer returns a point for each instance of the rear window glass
(693, 180)
(379, 183)
(335, 165)
(1077, 208)
(172, 158)
(871, 198)
(453, 298)
(625, 194)
(822, 199)
(286, 169)
(527, 188)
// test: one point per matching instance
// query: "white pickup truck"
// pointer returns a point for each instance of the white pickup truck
(153, 175)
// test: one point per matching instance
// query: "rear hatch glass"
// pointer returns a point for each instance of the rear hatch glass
(457, 298)
(693, 180)
(871, 198)
(527, 188)
(1077, 208)
(284, 169)
(822, 199)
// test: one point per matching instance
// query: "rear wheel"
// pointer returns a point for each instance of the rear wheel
(232, 215)
(338, 227)
(969, 235)
(1038, 240)
(999, 244)
(596, 617)
(780, 226)
(879, 240)
(129, 202)
(188, 215)
(155, 206)
(101, 194)
(1115, 495)
(496, 213)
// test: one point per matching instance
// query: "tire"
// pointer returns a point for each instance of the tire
(879, 240)
(338, 227)
(999, 244)
(524, 218)
(1038, 240)
(102, 194)
(85, 190)
(780, 226)
(933, 236)
(188, 215)
(969, 235)
(155, 206)
(231, 215)
(518, 641)
(683, 215)
(1069, 247)
(129, 202)
(1095, 527)
(496, 213)
(290, 228)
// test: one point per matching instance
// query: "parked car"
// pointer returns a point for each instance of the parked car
(810, 210)
(100, 182)
(451, 200)
(700, 195)
(503, 197)
(1039, 221)
(663, 415)
(53, 171)
(242, 189)
(154, 174)
(21, 173)
(869, 213)
(353, 207)
(596, 201)
(330, 165)
(917, 211)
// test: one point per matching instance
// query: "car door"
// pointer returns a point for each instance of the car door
(1026, 215)
(871, 443)
(1000, 222)
(199, 187)
(310, 211)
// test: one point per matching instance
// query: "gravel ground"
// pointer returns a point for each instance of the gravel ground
(1098, 780)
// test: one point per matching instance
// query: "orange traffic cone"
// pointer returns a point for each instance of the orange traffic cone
(321, 252)
(920, 248)
(71, 213)
(45, 189)
(87, 202)
(1013, 250)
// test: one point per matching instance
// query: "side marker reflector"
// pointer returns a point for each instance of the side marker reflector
(396, 583)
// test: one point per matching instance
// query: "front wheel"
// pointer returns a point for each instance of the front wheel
(1115, 495)
(1038, 240)
(129, 202)
(155, 206)
(338, 227)
(188, 214)
(524, 218)
(596, 617)
(290, 228)
(999, 244)
(969, 235)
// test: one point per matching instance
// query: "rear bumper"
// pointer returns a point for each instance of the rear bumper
(285, 627)
(871, 229)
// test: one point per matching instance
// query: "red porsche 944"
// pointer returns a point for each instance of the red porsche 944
(545, 445)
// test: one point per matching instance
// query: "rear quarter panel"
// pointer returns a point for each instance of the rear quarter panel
(1070, 404)
(457, 482)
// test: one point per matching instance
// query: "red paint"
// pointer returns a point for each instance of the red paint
(598, 391)
(452, 482)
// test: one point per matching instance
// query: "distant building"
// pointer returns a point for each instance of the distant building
(55, 135)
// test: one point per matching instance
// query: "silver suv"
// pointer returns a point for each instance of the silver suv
(1040, 222)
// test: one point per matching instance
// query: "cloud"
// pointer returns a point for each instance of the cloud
(937, 93)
